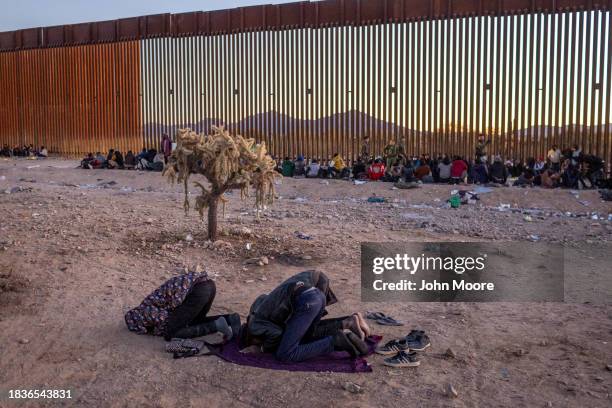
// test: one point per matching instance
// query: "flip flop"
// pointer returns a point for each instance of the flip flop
(389, 321)
(374, 315)
(383, 319)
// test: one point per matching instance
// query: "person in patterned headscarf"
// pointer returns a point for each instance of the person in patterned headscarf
(179, 308)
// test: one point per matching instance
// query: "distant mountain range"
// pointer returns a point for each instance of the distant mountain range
(273, 122)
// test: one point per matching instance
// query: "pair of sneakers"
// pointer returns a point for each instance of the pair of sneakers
(405, 349)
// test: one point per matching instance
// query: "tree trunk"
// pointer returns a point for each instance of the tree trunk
(212, 218)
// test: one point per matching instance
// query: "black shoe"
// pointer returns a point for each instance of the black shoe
(392, 347)
(341, 342)
(414, 333)
(417, 341)
(403, 359)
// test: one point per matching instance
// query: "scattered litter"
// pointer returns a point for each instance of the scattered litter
(503, 207)
(534, 238)
(189, 238)
(248, 246)
(584, 202)
(528, 218)
(504, 372)
(415, 216)
(451, 391)
(375, 199)
(482, 190)
(406, 185)
(33, 167)
(300, 199)
(127, 190)
(259, 261)
(520, 352)
(594, 217)
(106, 184)
(324, 182)
(359, 182)
(17, 189)
(353, 388)
(455, 201)
(301, 235)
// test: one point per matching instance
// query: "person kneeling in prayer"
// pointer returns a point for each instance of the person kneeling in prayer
(179, 308)
(287, 322)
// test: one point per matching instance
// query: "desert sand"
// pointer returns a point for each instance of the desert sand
(78, 248)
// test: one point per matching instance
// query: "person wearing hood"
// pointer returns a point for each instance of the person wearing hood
(299, 166)
(179, 309)
(288, 167)
(287, 321)
(444, 170)
(498, 171)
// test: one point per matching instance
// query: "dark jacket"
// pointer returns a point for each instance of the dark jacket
(269, 313)
(499, 171)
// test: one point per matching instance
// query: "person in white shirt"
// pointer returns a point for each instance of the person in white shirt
(312, 171)
(554, 156)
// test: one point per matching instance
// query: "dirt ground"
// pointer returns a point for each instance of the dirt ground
(78, 248)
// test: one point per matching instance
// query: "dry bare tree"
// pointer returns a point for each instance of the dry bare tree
(227, 162)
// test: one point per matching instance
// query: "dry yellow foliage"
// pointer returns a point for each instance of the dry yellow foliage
(227, 162)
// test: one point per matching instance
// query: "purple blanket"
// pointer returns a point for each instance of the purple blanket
(338, 361)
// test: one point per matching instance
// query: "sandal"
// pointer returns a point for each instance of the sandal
(383, 319)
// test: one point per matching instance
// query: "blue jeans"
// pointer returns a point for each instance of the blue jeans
(308, 308)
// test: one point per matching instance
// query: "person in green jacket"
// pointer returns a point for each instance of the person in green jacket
(391, 153)
(288, 167)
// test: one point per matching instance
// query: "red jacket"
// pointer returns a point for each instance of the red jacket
(376, 171)
(457, 168)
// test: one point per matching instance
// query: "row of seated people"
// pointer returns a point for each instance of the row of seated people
(147, 159)
(24, 151)
(585, 171)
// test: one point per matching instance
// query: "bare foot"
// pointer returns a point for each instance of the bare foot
(362, 323)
